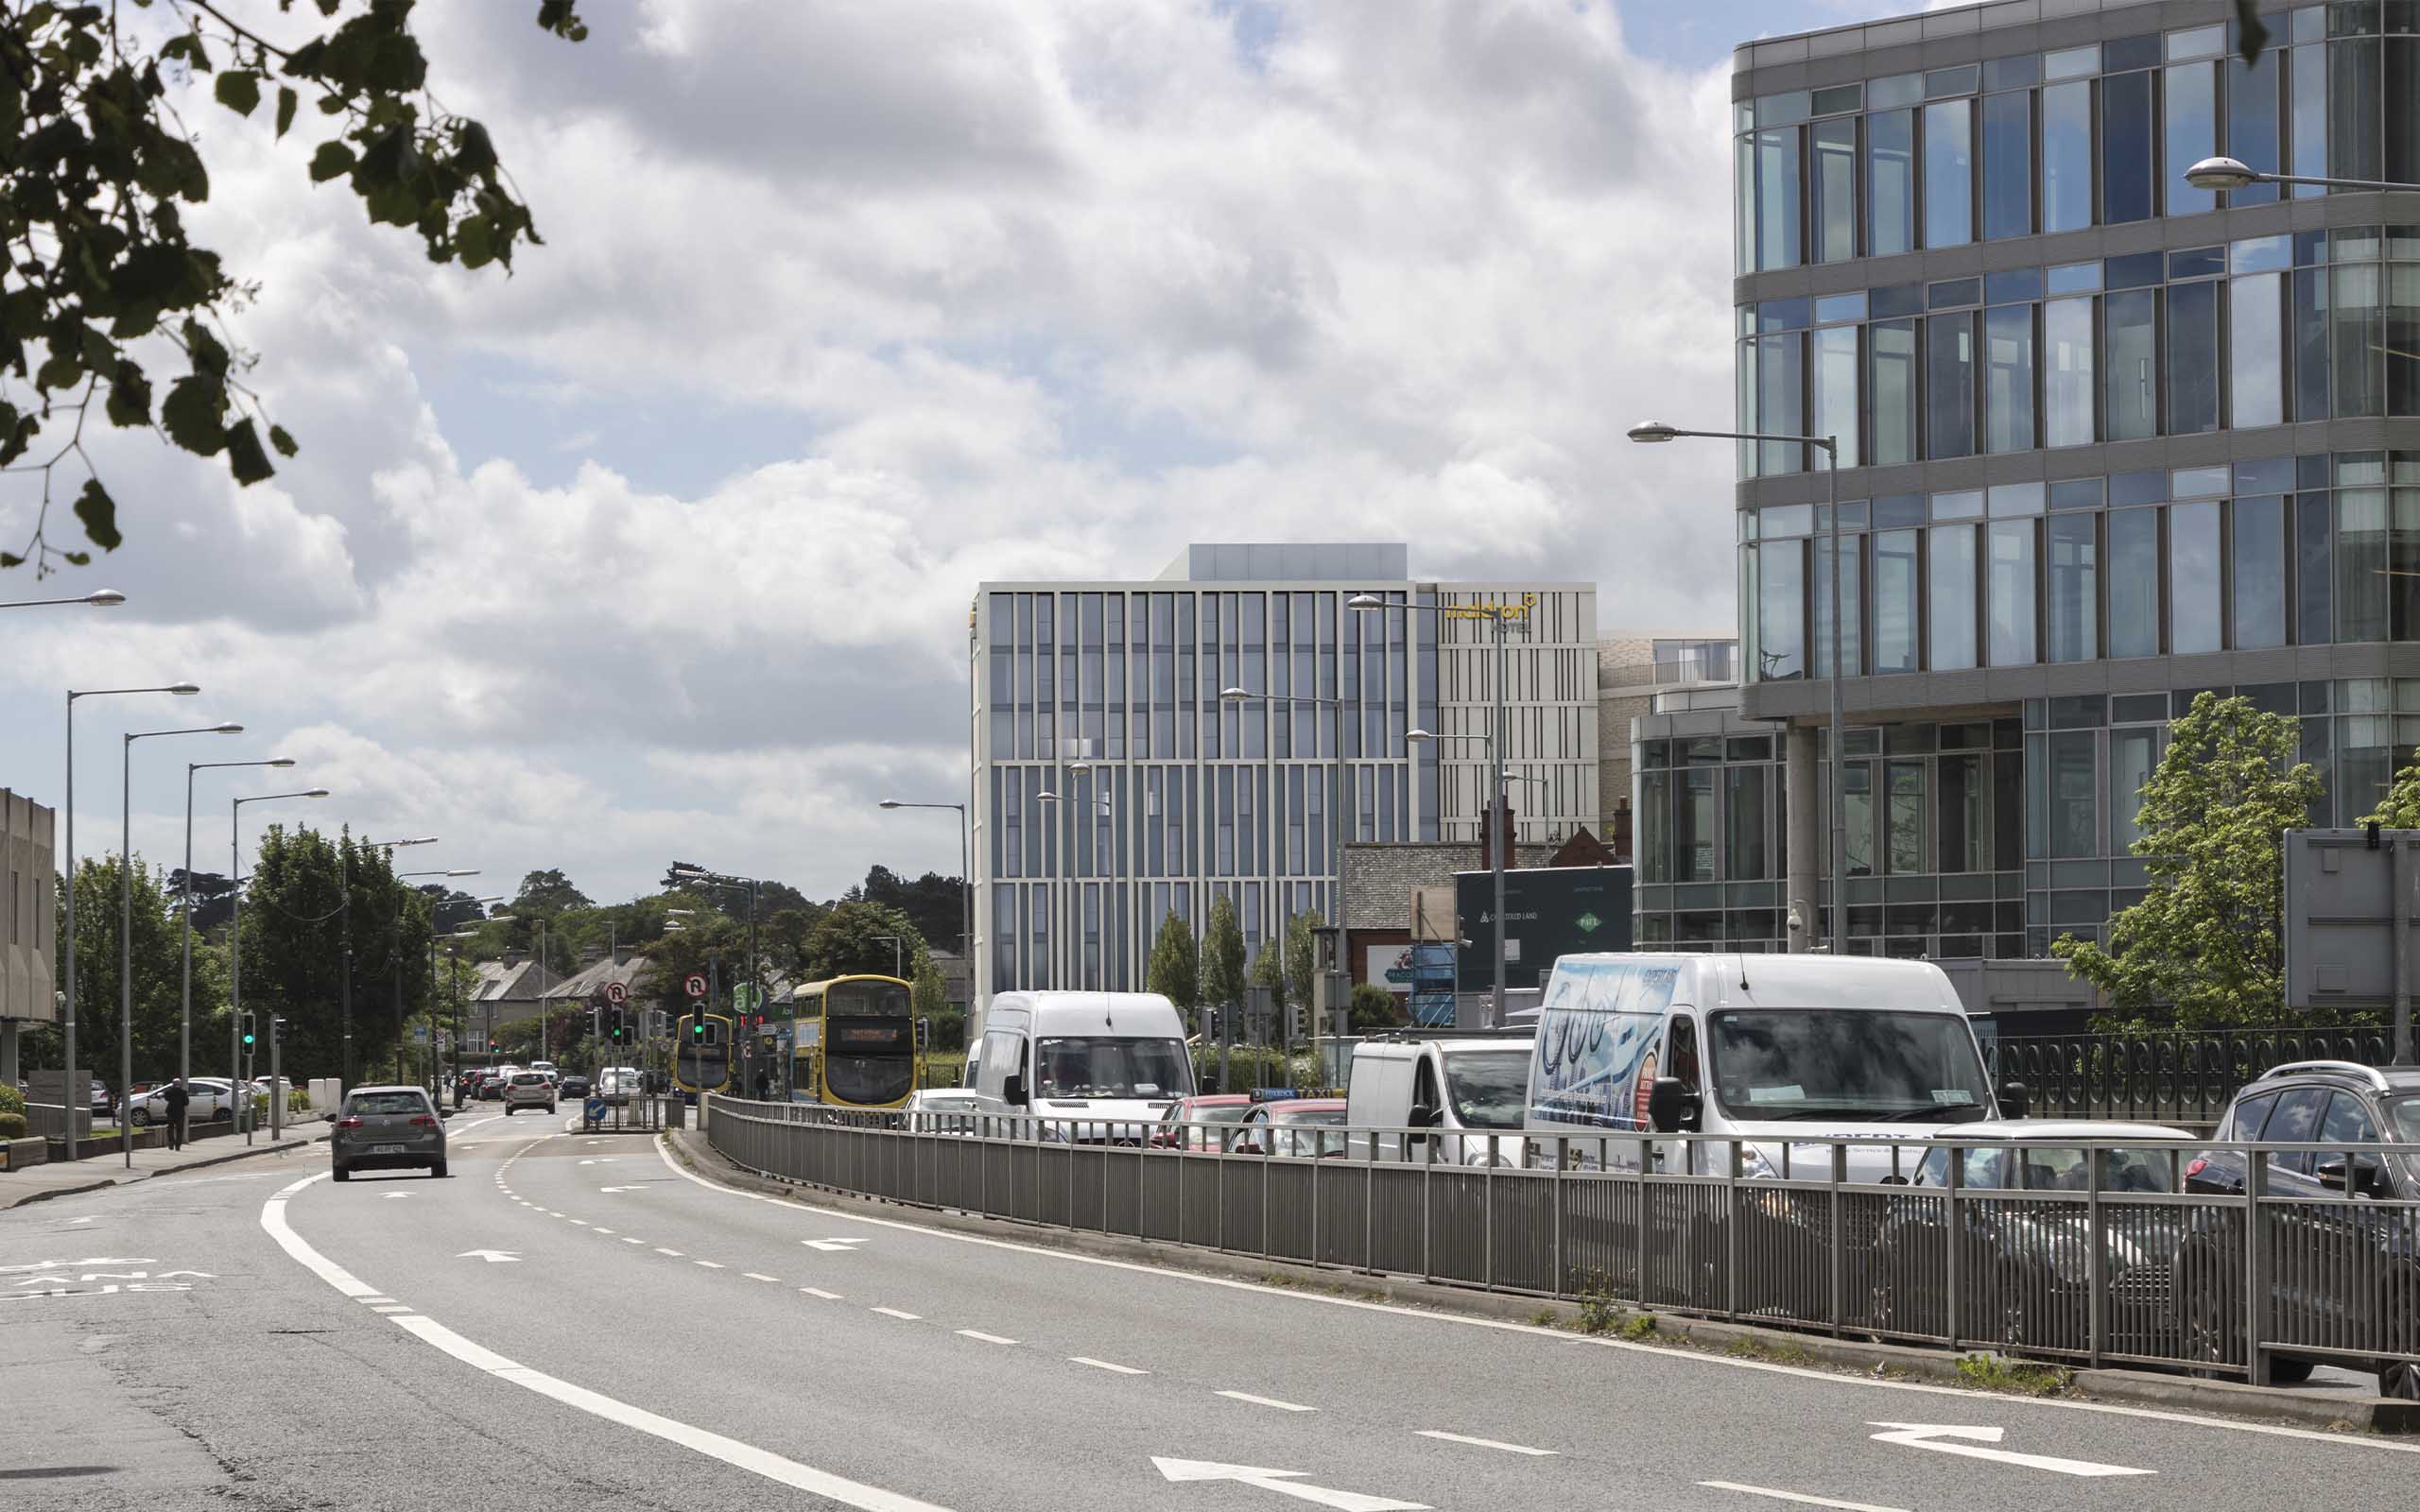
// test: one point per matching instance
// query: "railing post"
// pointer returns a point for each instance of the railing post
(1487, 1215)
(1369, 1201)
(1561, 1148)
(1427, 1215)
(1730, 1228)
(2255, 1178)
(1267, 1143)
(1839, 1153)
(1639, 1246)
(2095, 1309)
(1953, 1224)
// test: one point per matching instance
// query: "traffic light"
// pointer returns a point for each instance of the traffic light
(615, 1022)
(491, 1046)
(248, 1031)
(697, 1027)
(277, 1028)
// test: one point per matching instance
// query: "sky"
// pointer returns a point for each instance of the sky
(663, 546)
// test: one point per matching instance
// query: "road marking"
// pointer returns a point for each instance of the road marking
(1267, 1402)
(493, 1257)
(604, 1231)
(1486, 1443)
(817, 1291)
(1797, 1496)
(987, 1338)
(674, 1253)
(1104, 1365)
(582, 1222)
(397, 1308)
(373, 1302)
(760, 1275)
(711, 1264)
(397, 1196)
(1945, 1438)
(1285, 1483)
(1561, 1336)
(731, 1452)
(628, 1240)
(837, 1246)
(892, 1312)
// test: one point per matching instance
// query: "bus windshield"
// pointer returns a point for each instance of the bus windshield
(866, 995)
(1112, 1068)
(1847, 1063)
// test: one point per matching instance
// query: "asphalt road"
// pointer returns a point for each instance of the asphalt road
(575, 1320)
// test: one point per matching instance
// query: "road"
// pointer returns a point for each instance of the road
(577, 1320)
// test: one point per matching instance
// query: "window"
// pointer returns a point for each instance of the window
(2310, 319)
(1781, 397)
(2255, 310)
(2012, 593)
(1835, 183)
(2257, 547)
(1959, 829)
(2360, 565)
(1893, 390)
(2314, 612)
(2008, 391)
(1949, 385)
(2402, 342)
(2309, 95)
(2134, 582)
(2008, 165)
(1781, 597)
(2354, 126)
(2073, 814)
(1951, 600)
(2193, 578)
(1693, 831)
(2252, 123)
(2192, 358)
(1656, 826)
(2250, 1116)
(2132, 753)
(2131, 399)
(2127, 141)
(2074, 586)
(1856, 812)
(2356, 325)
(2067, 389)
(2296, 1121)
(1894, 601)
(1852, 608)
(2066, 156)
(1743, 821)
(1832, 380)
(1949, 173)
(1777, 198)
(1906, 818)
(2191, 101)
(1890, 182)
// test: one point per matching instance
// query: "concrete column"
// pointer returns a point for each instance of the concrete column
(8, 1071)
(1802, 788)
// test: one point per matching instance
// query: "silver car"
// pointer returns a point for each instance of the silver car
(528, 1088)
(387, 1127)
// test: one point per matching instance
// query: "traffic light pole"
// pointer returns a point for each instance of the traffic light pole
(276, 1088)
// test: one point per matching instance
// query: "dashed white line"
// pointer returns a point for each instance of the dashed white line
(710, 1265)
(396, 1308)
(892, 1312)
(987, 1338)
(1266, 1402)
(760, 1275)
(1485, 1443)
(628, 1240)
(674, 1253)
(817, 1291)
(604, 1231)
(1104, 1365)
(1800, 1497)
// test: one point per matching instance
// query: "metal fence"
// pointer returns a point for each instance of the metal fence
(2091, 1252)
(2174, 1076)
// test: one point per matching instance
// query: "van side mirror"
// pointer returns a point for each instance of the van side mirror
(2016, 1099)
(1012, 1090)
(1423, 1116)
(1668, 1106)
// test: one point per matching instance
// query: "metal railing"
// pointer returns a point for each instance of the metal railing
(2172, 1075)
(2094, 1252)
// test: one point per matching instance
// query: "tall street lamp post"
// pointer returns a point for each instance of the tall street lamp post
(75, 1100)
(436, 912)
(235, 954)
(2234, 173)
(184, 1014)
(126, 921)
(395, 958)
(1655, 432)
(965, 885)
(344, 906)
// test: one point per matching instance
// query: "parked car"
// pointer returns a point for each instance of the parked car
(387, 1127)
(573, 1085)
(528, 1089)
(1299, 1127)
(1179, 1126)
(2363, 1267)
(212, 1101)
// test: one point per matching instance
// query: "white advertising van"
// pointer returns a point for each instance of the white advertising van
(1764, 1048)
(1091, 1067)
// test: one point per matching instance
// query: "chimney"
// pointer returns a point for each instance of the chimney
(514, 955)
(1512, 827)
(591, 955)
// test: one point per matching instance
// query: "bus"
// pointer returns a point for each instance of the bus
(854, 1043)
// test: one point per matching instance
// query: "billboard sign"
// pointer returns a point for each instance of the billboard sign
(1550, 912)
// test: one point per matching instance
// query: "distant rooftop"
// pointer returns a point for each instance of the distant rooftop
(1351, 561)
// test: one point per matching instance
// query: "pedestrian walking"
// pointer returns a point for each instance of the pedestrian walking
(178, 1098)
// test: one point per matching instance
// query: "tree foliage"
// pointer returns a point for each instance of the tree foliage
(846, 940)
(2400, 808)
(1302, 958)
(934, 904)
(548, 893)
(1175, 968)
(309, 900)
(2205, 945)
(156, 948)
(104, 289)
(1222, 955)
(1375, 1007)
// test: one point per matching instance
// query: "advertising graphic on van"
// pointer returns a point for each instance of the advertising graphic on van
(1597, 1038)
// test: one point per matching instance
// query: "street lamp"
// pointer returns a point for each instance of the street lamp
(1656, 432)
(185, 1015)
(395, 957)
(965, 884)
(344, 907)
(79, 1099)
(97, 598)
(436, 910)
(2234, 173)
(126, 920)
(235, 948)
(898, 945)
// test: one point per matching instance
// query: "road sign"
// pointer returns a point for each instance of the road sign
(694, 986)
(420, 1034)
(617, 992)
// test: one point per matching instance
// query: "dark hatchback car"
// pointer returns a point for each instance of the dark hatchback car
(386, 1128)
(574, 1085)
(2343, 1264)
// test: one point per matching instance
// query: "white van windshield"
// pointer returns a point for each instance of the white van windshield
(1112, 1068)
(1490, 1088)
(1833, 1063)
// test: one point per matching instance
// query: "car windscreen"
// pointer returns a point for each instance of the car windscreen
(1334, 1117)
(2053, 1170)
(388, 1103)
(1111, 1068)
(1490, 1088)
(1847, 1063)
(1219, 1113)
(2405, 1113)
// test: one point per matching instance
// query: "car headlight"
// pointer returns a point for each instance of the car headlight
(1754, 1166)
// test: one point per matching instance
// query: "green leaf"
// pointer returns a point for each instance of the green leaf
(334, 158)
(286, 100)
(245, 457)
(130, 402)
(280, 439)
(77, 559)
(194, 415)
(9, 558)
(475, 240)
(239, 90)
(97, 511)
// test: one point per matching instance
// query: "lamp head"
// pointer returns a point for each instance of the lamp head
(227, 729)
(2222, 173)
(1420, 734)
(186, 689)
(1652, 431)
(1046, 796)
(1365, 601)
(889, 803)
(315, 792)
(279, 760)
(1233, 694)
(105, 598)
(464, 871)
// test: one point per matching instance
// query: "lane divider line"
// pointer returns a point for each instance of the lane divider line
(980, 1334)
(1266, 1402)
(1486, 1443)
(731, 1452)
(817, 1291)
(710, 1265)
(760, 1275)
(892, 1312)
(674, 1253)
(1104, 1365)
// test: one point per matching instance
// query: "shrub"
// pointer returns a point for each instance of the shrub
(12, 1126)
(297, 1100)
(11, 1100)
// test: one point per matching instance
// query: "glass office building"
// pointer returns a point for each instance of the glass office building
(1114, 785)
(2106, 439)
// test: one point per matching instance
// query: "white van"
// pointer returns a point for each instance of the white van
(1757, 1047)
(1094, 1067)
(1459, 1085)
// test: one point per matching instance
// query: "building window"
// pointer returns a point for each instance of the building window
(1959, 826)
(2252, 122)
(1949, 385)
(1907, 817)
(1950, 602)
(2192, 106)
(2127, 148)
(2131, 401)
(1744, 822)
(2066, 156)
(1893, 390)
(2134, 582)
(2008, 165)
(2314, 609)
(2357, 327)
(2193, 578)
(1895, 601)
(2068, 387)
(2074, 827)
(1833, 382)
(2256, 353)
(1949, 173)
(1777, 198)
(1856, 809)
(2012, 593)
(2355, 130)
(2132, 755)
(2074, 586)
(2193, 363)
(1835, 181)
(1781, 598)
(2257, 547)
(1656, 826)
(1852, 607)
(1693, 826)
(1890, 182)
(2007, 395)
(2360, 565)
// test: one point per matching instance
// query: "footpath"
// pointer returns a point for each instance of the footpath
(59, 1178)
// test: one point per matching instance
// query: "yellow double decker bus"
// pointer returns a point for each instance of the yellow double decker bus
(854, 1043)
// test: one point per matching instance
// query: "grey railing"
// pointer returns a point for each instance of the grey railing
(2090, 1252)
(2174, 1076)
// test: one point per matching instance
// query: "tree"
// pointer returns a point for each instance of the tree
(2205, 945)
(2400, 808)
(548, 893)
(934, 904)
(1375, 1007)
(844, 941)
(1222, 955)
(1175, 969)
(213, 897)
(1269, 970)
(156, 948)
(1302, 956)
(100, 158)
(308, 902)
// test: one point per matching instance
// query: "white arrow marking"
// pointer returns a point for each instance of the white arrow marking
(837, 1246)
(1800, 1497)
(493, 1257)
(1285, 1483)
(89, 1260)
(1936, 1436)
(392, 1197)
(73, 1222)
